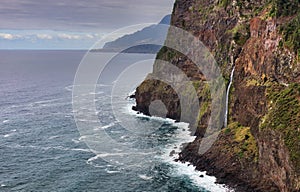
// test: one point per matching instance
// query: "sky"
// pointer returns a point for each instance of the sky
(71, 24)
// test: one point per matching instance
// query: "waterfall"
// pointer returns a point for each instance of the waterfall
(227, 97)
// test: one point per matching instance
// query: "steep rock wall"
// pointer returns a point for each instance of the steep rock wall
(260, 148)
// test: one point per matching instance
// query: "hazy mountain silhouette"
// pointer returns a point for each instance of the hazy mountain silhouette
(147, 40)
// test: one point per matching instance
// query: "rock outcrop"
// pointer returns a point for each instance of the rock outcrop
(259, 150)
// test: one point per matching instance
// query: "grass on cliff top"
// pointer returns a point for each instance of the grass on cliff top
(284, 117)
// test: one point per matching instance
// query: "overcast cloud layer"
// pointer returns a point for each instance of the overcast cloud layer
(80, 15)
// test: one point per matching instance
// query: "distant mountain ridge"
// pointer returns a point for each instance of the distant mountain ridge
(147, 40)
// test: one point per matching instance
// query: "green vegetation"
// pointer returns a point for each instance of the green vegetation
(240, 33)
(252, 82)
(284, 8)
(291, 34)
(224, 3)
(205, 103)
(284, 117)
(167, 54)
(290, 30)
(196, 85)
(227, 131)
(161, 52)
(258, 10)
(243, 142)
(203, 109)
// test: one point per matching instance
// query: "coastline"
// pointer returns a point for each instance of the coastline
(173, 155)
(203, 163)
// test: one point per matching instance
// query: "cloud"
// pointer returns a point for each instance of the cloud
(69, 36)
(8, 36)
(90, 36)
(47, 35)
(78, 15)
(44, 36)
(47, 39)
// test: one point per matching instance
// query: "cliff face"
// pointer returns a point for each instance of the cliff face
(260, 148)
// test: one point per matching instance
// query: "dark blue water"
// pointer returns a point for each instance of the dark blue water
(42, 149)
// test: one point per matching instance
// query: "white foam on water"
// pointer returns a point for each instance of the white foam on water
(115, 132)
(108, 155)
(2, 185)
(91, 160)
(87, 120)
(171, 153)
(8, 135)
(13, 132)
(67, 149)
(108, 126)
(61, 148)
(54, 137)
(207, 182)
(125, 137)
(71, 87)
(128, 110)
(56, 148)
(101, 156)
(132, 93)
(5, 121)
(145, 177)
(119, 158)
(82, 150)
(47, 101)
(111, 172)
(97, 93)
(76, 141)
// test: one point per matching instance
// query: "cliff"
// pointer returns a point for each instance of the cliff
(259, 150)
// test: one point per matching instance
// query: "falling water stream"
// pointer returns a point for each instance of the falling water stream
(227, 97)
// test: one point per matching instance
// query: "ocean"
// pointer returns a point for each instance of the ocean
(43, 149)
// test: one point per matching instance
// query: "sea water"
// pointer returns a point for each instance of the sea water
(42, 149)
